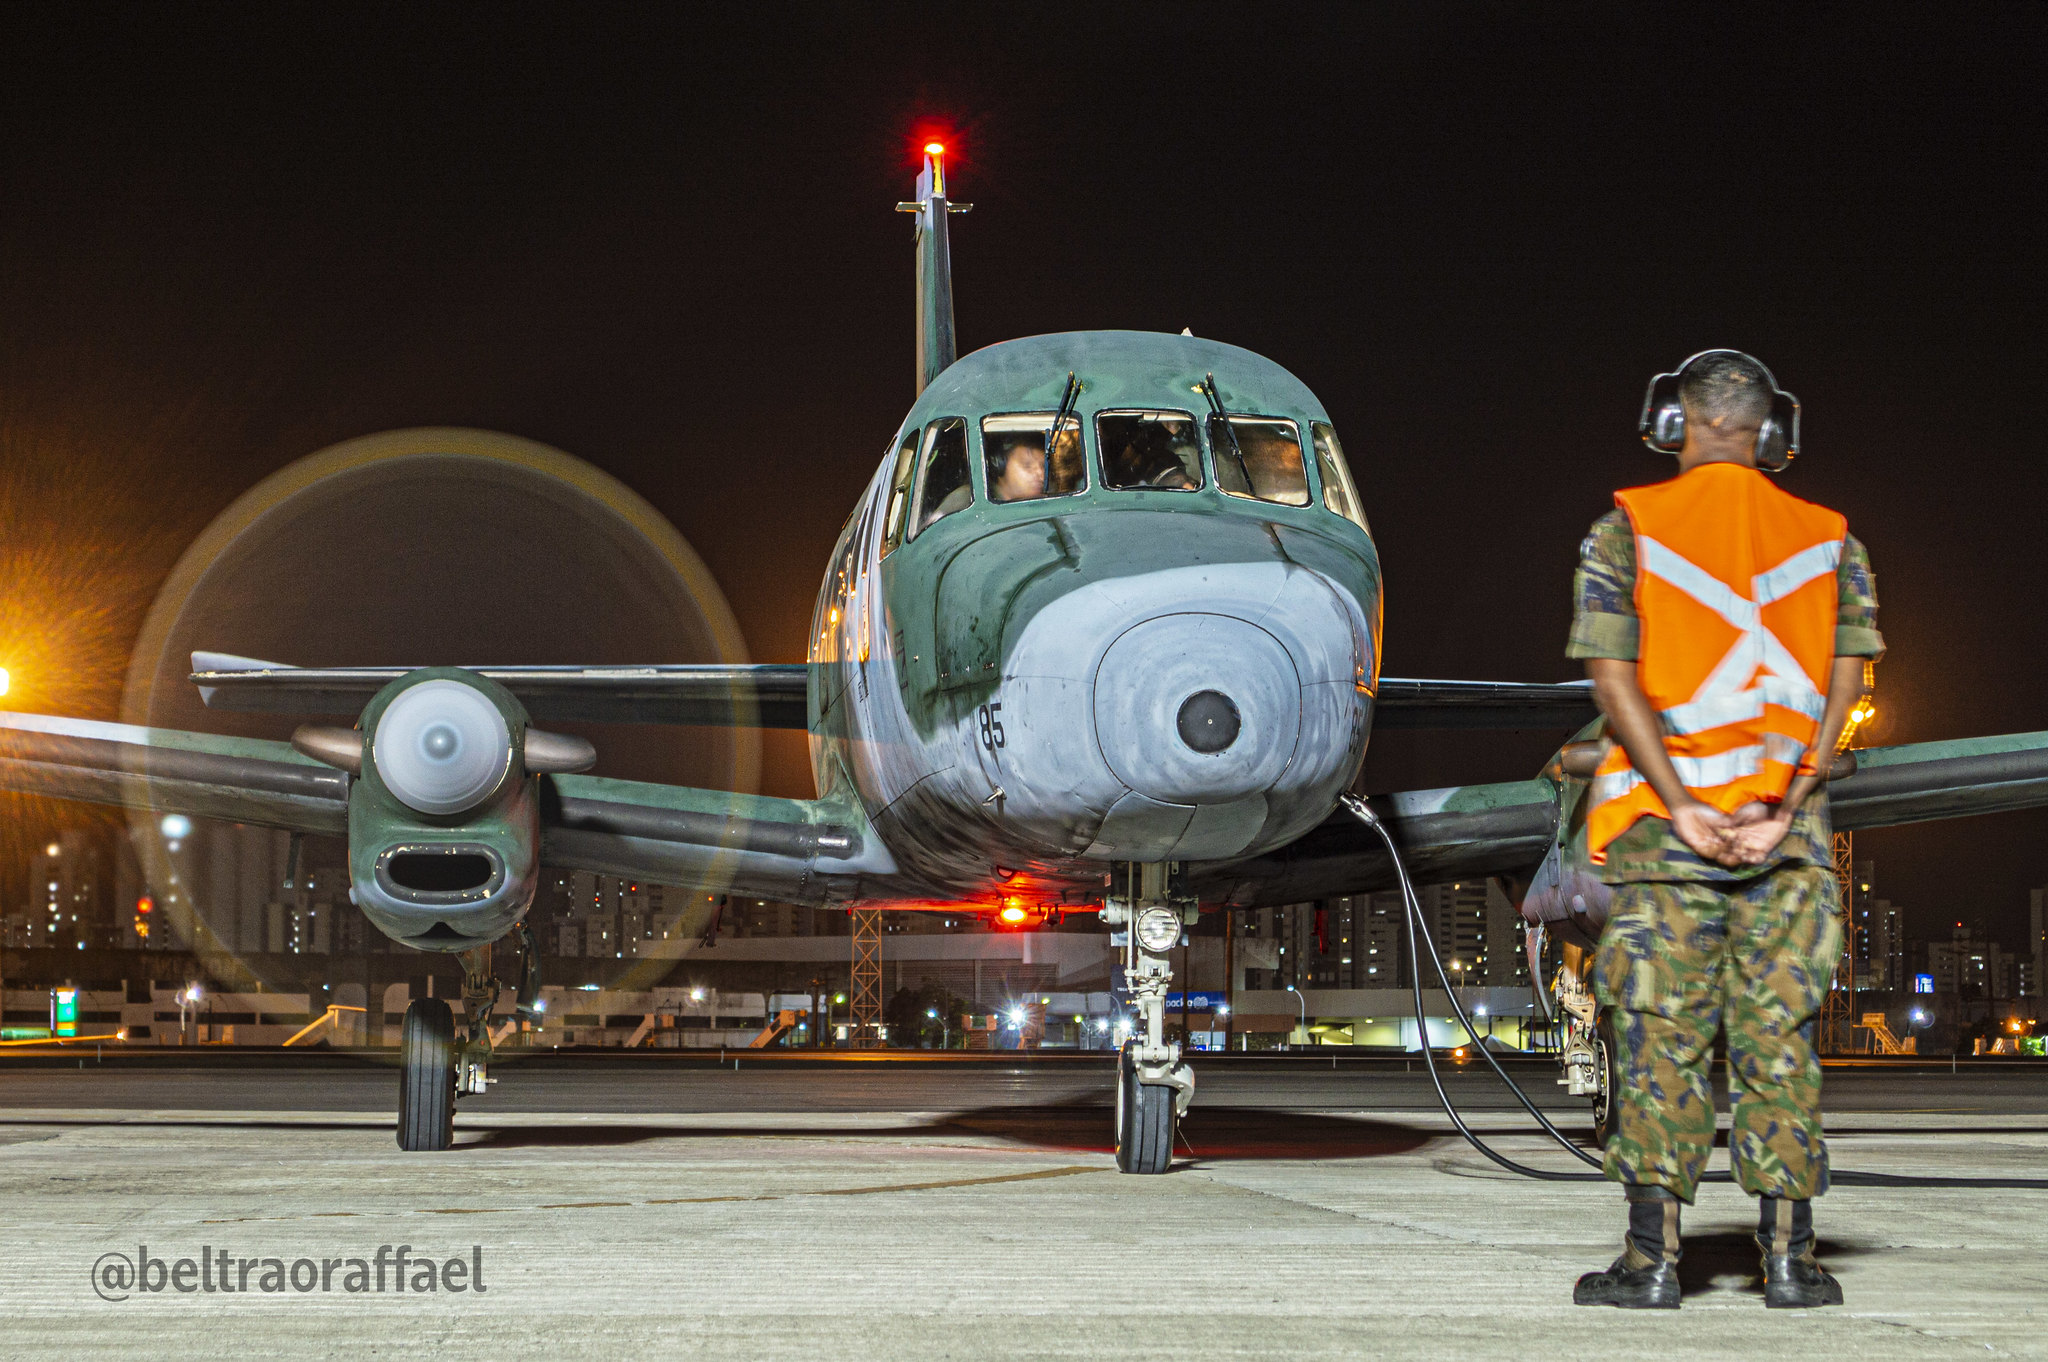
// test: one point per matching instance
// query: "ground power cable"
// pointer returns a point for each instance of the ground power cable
(1417, 932)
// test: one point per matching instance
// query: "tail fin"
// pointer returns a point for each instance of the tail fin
(936, 347)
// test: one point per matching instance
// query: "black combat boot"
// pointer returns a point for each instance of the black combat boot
(1793, 1280)
(1645, 1276)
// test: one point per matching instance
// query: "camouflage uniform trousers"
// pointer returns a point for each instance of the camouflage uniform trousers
(1680, 961)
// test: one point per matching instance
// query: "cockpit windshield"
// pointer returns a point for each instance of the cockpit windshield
(1339, 493)
(1259, 457)
(899, 492)
(1150, 449)
(943, 485)
(1013, 448)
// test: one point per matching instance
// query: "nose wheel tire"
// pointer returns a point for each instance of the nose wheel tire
(426, 1083)
(1145, 1120)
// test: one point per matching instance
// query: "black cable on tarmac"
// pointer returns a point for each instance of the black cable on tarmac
(1417, 929)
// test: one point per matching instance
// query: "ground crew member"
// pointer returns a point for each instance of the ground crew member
(1725, 624)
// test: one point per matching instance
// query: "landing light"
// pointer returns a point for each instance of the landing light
(934, 149)
(1159, 929)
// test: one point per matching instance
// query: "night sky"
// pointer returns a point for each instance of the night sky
(661, 238)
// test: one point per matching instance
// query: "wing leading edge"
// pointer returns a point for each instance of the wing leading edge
(750, 695)
(242, 780)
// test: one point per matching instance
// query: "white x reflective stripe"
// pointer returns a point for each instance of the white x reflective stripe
(1727, 695)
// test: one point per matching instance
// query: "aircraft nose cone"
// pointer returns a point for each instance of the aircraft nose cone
(1195, 709)
(1208, 721)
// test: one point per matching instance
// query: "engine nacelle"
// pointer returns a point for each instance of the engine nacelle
(444, 818)
(1565, 894)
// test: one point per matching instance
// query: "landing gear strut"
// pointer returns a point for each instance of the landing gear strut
(1154, 1085)
(1588, 1056)
(435, 1066)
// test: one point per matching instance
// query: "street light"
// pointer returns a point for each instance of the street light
(945, 1032)
(1304, 1011)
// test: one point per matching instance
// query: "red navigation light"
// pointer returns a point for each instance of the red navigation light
(1013, 915)
(935, 148)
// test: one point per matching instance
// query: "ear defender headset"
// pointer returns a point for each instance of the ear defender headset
(1662, 424)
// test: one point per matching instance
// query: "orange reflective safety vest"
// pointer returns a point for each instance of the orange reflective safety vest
(1737, 603)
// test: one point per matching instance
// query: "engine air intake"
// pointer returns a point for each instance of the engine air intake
(440, 873)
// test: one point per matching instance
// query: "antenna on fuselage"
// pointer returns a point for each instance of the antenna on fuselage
(936, 346)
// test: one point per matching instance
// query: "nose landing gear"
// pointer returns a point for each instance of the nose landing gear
(434, 1067)
(1154, 1084)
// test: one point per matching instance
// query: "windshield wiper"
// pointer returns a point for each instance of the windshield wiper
(1222, 418)
(1059, 418)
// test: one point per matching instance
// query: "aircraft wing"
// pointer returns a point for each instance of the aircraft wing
(751, 695)
(1475, 830)
(772, 694)
(1402, 702)
(243, 780)
(672, 834)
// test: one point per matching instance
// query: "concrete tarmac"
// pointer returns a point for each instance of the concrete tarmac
(955, 1211)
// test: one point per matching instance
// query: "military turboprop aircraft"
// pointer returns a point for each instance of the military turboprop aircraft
(1102, 634)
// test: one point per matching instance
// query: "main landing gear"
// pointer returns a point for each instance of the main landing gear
(1154, 1084)
(435, 1067)
(1590, 1069)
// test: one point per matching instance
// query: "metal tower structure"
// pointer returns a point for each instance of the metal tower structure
(865, 1016)
(1838, 1009)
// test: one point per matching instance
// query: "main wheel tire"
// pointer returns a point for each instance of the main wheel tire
(426, 1081)
(1606, 1102)
(1145, 1120)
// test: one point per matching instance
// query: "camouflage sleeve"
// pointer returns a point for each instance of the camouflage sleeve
(1856, 617)
(1604, 592)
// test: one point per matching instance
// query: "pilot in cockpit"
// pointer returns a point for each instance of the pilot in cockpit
(1017, 468)
(1147, 449)
(1022, 476)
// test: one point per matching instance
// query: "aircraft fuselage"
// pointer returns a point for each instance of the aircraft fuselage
(1159, 644)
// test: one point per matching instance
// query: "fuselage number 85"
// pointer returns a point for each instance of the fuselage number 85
(991, 726)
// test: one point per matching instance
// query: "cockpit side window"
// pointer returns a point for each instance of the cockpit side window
(1340, 494)
(1259, 457)
(1149, 449)
(1013, 452)
(945, 484)
(899, 492)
